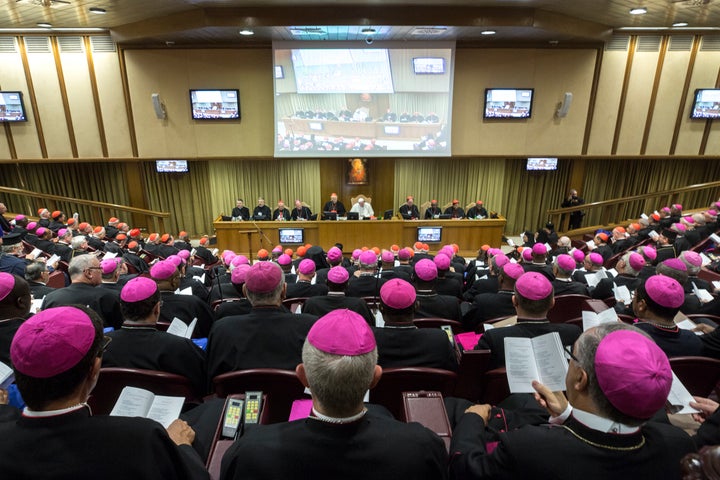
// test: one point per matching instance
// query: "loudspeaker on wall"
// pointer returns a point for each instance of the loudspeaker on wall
(564, 106)
(158, 106)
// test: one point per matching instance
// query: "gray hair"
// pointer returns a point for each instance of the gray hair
(699, 218)
(269, 298)
(79, 264)
(339, 382)
(565, 273)
(10, 248)
(564, 241)
(692, 269)
(34, 271)
(629, 270)
(586, 348)
(76, 242)
(679, 275)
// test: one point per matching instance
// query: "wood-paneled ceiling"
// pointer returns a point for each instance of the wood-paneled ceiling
(218, 22)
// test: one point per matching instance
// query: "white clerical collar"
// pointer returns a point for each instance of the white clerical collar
(602, 424)
(339, 421)
(52, 413)
(336, 294)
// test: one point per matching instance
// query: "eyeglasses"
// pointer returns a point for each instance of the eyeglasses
(570, 355)
(93, 268)
(103, 346)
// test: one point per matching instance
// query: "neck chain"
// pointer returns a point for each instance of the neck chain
(339, 421)
(662, 326)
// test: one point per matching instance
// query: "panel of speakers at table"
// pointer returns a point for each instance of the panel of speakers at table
(361, 210)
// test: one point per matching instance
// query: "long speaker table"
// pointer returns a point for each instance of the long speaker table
(248, 237)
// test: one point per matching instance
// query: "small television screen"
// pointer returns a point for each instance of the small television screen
(542, 164)
(171, 166)
(706, 103)
(429, 234)
(391, 129)
(291, 235)
(12, 108)
(428, 65)
(279, 72)
(215, 104)
(508, 102)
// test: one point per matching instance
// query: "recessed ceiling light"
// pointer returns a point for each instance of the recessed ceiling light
(638, 11)
(98, 10)
(44, 25)
(680, 24)
(488, 32)
(246, 32)
(368, 31)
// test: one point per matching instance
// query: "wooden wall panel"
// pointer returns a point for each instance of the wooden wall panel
(12, 77)
(112, 104)
(637, 100)
(667, 103)
(704, 75)
(50, 105)
(82, 106)
(607, 101)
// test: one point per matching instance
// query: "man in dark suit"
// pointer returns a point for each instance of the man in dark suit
(240, 212)
(533, 299)
(304, 287)
(36, 274)
(489, 305)
(342, 438)
(281, 213)
(86, 274)
(261, 211)
(601, 430)
(539, 262)
(267, 337)
(430, 303)
(300, 212)
(409, 210)
(400, 342)
(15, 302)
(563, 284)
(478, 211)
(455, 210)
(433, 211)
(365, 282)
(335, 206)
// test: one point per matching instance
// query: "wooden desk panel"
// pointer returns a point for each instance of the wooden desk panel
(470, 235)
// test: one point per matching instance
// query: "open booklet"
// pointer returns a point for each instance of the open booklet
(541, 358)
(137, 402)
(7, 376)
(594, 319)
(502, 323)
(679, 398)
(181, 329)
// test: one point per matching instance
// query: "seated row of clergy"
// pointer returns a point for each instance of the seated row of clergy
(610, 415)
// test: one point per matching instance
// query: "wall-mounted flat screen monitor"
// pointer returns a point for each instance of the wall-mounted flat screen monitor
(429, 234)
(215, 104)
(171, 166)
(337, 98)
(508, 102)
(428, 65)
(541, 164)
(292, 235)
(12, 108)
(706, 103)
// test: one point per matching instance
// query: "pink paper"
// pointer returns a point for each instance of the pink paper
(468, 339)
(300, 409)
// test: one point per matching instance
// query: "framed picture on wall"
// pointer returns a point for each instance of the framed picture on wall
(357, 171)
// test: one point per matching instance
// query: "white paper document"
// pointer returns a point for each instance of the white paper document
(714, 237)
(181, 329)
(109, 255)
(541, 358)
(702, 294)
(53, 260)
(136, 402)
(653, 234)
(679, 398)
(591, 245)
(622, 294)
(593, 319)
(7, 376)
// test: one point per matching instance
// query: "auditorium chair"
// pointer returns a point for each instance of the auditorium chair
(292, 304)
(353, 200)
(473, 365)
(566, 308)
(469, 206)
(700, 375)
(495, 387)
(112, 380)
(436, 322)
(280, 386)
(56, 279)
(214, 305)
(394, 381)
(696, 317)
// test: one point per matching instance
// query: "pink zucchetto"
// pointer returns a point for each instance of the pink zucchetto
(404, 254)
(539, 249)
(263, 277)
(398, 294)
(338, 275)
(306, 267)
(426, 270)
(356, 254)
(138, 289)
(566, 262)
(342, 332)
(675, 264)
(533, 286)
(387, 256)
(527, 254)
(578, 256)
(513, 270)
(334, 254)
(636, 261)
(284, 259)
(163, 270)
(649, 252)
(239, 273)
(442, 262)
(7, 283)
(596, 259)
(633, 373)
(110, 265)
(184, 254)
(665, 291)
(52, 342)
(368, 257)
(692, 258)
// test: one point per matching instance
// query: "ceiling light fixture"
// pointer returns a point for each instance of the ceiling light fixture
(98, 10)
(368, 31)
(246, 32)
(638, 11)
(488, 32)
(680, 24)
(44, 25)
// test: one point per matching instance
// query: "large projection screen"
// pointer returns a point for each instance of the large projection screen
(339, 98)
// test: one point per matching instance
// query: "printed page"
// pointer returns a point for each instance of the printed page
(551, 363)
(191, 328)
(7, 376)
(680, 398)
(591, 245)
(178, 327)
(592, 279)
(53, 260)
(166, 410)
(109, 255)
(520, 364)
(622, 294)
(133, 402)
(687, 324)
(592, 319)
(702, 294)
